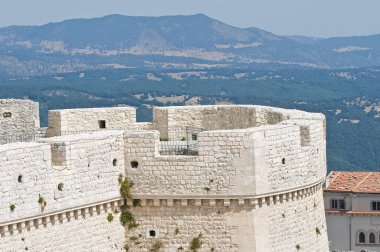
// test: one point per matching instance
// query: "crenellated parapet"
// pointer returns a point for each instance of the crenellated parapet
(59, 173)
(248, 178)
(286, 150)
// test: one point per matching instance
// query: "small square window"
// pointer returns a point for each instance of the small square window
(194, 137)
(152, 233)
(102, 124)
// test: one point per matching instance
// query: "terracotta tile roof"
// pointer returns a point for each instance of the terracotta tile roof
(358, 182)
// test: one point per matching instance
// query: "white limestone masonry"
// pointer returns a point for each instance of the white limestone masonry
(18, 118)
(247, 178)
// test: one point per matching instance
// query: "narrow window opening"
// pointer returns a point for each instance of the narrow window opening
(194, 137)
(19, 179)
(134, 164)
(60, 186)
(361, 237)
(114, 162)
(283, 161)
(102, 124)
(371, 238)
(152, 233)
(375, 205)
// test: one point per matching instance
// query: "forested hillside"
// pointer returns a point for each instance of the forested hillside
(350, 99)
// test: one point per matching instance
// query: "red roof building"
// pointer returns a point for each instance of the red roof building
(352, 203)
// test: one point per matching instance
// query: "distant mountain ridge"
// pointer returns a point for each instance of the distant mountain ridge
(118, 41)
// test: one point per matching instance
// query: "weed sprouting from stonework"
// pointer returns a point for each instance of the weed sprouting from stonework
(180, 248)
(12, 207)
(42, 202)
(126, 247)
(212, 249)
(110, 217)
(298, 247)
(126, 218)
(156, 246)
(133, 238)
(125, 189)
(133, 225)
(317, 231)
(176, 231)
(196, 243)
(207, 189)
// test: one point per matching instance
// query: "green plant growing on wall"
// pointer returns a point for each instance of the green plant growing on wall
(125, 189)
(196, 243)
(183, 139)
(133, 238)
(298, 247)
(180, 248)
(136, 202)
(12, 207)
(212, 249)
(156, 246)
(317, 231)
(110, 217)
(127, 219)
(126, 247)
(176, 231)
(42, 202)
(207, 189)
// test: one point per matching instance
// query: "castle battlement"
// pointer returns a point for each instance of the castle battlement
(247, 177)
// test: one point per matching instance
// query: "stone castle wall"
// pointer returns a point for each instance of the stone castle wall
(265, 226)
(230, 162)
(254, 183)
(86, 171)
(81, 120)
(18, 118)
(81, 232)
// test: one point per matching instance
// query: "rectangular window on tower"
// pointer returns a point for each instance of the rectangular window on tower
(375, 205)
(337, 204)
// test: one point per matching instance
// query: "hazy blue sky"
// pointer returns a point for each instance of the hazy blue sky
(323, 18)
